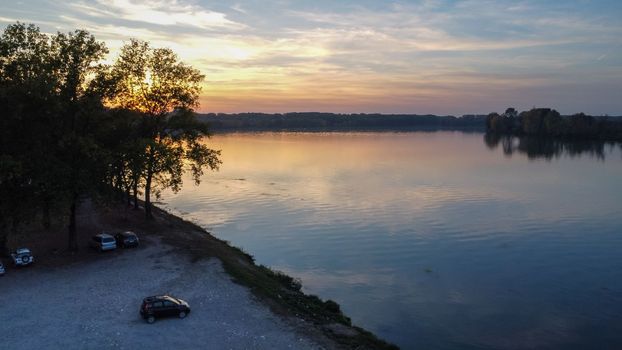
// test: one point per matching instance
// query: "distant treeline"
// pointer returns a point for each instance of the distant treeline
(548, 122)
(332, 121)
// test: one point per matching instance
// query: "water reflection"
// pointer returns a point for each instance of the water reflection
(540, 147)
(429, 239)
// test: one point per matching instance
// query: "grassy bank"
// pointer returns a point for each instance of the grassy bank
(281, 292)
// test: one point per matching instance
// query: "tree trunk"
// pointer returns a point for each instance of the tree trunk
(5, 232)
(73, 237)
(148, 179)
(4, 239)
(120, 183)
(135, 195)
(46, 214)
(148, 213)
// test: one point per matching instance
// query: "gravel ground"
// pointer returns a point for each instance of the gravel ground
(94, 305)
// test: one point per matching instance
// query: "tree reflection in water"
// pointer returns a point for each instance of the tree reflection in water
(548, 148)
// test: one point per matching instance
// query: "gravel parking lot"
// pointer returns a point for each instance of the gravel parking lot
(94, 305)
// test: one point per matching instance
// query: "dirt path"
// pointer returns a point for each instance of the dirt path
(94, 305)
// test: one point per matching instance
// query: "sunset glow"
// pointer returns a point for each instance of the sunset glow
(430, 56)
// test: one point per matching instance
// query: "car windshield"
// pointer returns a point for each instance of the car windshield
(107, 240)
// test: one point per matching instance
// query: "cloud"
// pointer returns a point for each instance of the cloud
(355, 56)
(466, 26)
(238, 8)
(165, 13)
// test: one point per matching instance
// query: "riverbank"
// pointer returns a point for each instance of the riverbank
(91, 299)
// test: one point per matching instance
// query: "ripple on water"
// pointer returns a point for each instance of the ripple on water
(431, 240)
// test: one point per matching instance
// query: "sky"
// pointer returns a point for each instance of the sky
(348, 56)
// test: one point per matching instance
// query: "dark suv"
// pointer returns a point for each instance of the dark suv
(163, 306)
(126, 239)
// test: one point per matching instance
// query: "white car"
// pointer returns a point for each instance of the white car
(22, 257)
(1, 269)
(103, 242)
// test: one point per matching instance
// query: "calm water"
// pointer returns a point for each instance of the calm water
(440, 240)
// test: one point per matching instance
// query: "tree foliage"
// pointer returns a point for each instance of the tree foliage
(549, 122)
(331, 121)
(73, 128)
(153, 83)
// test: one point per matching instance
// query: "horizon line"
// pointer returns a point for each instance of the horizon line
(409, 113)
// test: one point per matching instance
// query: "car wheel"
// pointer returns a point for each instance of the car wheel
(150, 319)
(182, 314)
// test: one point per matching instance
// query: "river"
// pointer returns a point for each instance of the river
(431, 240)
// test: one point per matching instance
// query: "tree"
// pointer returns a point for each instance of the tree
(122, 139)
(511, 112)
(49, 120)
(554, 124)
(75, 58)
(59, 143)
(26, 111)
(152, 82)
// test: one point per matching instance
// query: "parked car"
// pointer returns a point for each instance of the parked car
(22, 257)
(103, 242)
(163, 306)
(1, 269)
(126, 239)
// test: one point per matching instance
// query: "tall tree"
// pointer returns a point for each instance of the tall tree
(75, 61)
(154, 83)
(49, 117)
(27, 108)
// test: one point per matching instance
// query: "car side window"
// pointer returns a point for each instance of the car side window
(157, 304)
(168, 303)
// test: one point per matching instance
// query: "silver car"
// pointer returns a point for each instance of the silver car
(103, 242)
(22, 257)
(1, 269)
